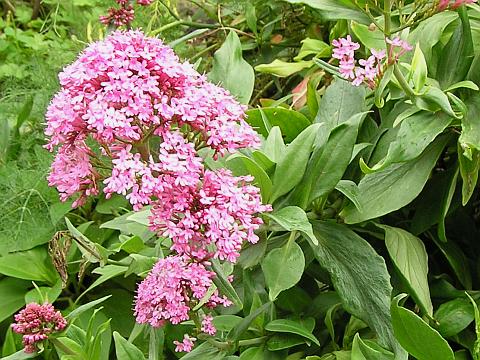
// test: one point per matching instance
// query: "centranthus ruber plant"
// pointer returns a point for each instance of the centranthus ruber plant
(130, 119)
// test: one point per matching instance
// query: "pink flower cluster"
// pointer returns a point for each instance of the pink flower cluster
(123, 91)
(220, 213)
(170, 289)
(36, 322)
(447, 4)
(123, 15)
(131, 118)
(367, 71)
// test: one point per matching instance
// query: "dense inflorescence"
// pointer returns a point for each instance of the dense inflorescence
(130, 119)
(36, 322)
(123, 15)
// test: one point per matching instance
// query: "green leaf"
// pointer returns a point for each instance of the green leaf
(44, 293)
(410, 258)
(12, 296)
(328, 163)
(419, 70)
(446, 201)
(205, 351)
(291, 327)
(360, 277)
(476, 345)
(313, 47)
(242, 326)
(340, 102)
(416, 336)
(106, 273)
(34, 264)
(291, 167)
(283, 268)
(283, 341)
(470, 137)
(20, 355)
(371, 39)
(469, 169)
(231, 71)
(291, 122)
(335, 9)
(434, 100)
(415, 134)
(362, 350)
(226, 322)
(253, 353)
(430, 31)
(274, 147)
(224, 286)
(85, 307)
(454, 316)
(457, 56)
(394, 187)
(125, 350)
(457, 260)
(466, 84)
(283, 69)
(9, 347)
(243, 165)
(293, 218)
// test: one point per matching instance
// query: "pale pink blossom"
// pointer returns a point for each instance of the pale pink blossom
(186, 345)
(207, 325)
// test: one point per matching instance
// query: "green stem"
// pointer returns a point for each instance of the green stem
(291, 240)
(403, 82)
(255, 341)
(387, 14)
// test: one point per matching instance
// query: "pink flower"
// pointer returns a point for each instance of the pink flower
(121, 92)
(170, 288)
(207, 325)
(36, 322)
(186, 345)
(144, 2)
(221, 210)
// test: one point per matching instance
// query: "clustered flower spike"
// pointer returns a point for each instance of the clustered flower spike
(36, 322)
(130, 119)
(453, 4)
(368, 71)
(123, 15)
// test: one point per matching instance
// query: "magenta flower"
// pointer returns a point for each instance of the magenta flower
(171, 288)
(36, 322)
(447, 4)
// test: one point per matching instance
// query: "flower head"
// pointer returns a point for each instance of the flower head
(36, 322)
(120, 93)
(169, 290)
(220, 211)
